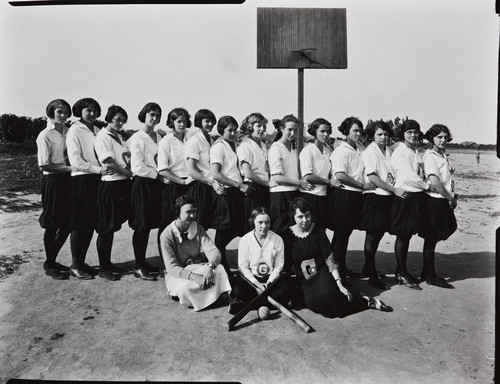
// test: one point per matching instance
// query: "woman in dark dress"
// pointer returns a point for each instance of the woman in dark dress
(321, 287)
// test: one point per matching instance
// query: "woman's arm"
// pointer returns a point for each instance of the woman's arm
(222, 179)
(58, 168)
(344, 290)
(375, 179)
(115, 167)
(344, 178)
(247, 171)
(194, 172)
(439, 188)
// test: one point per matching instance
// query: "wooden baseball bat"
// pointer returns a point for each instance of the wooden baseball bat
(284, 310)
(247, 308)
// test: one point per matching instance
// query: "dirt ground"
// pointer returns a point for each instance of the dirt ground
(131, 330)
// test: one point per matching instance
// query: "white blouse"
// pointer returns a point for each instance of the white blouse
(313, 161)
(198, 148)
(255, 155)
(283, 162)
(107, 146)
(51, 146)
(143, 154)
(377, 162)
(407, 164)
(254, 260)
(80, 143)
(439, 165)
(221, 153)
(172, 156)
(345, 158)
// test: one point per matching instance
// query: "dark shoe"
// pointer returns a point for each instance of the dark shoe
(143, 274)
(439, 282)
(108, 275)
(235, 306)
(55, 273)
(162, 273)
(80, 274)
(379, 305)
(174, 298)
(423, 276)
(408, 280)
(58, 266)
(88, 269)
(378, 283)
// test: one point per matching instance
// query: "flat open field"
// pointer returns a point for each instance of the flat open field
(131, 329)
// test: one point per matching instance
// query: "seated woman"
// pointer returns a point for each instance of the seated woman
(261, 259)
(192, 261)
(318, 275)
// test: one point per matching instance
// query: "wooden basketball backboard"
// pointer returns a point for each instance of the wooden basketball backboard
(301, 38)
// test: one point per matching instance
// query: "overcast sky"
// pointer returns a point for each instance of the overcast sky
(433, 61)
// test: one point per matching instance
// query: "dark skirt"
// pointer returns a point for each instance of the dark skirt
(84, 215)
(279, 210)
(376, 213)
(319, 209)
(145, 204)
(228, 212)
(259, 197)
(407, 215)
(440, 221)
(322, 295)
(245, 292)
(113, 205)
(344, 209)
(169, 193)
(204, 196)
(56, 200)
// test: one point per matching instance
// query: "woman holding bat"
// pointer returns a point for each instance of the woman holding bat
(261, 259)
(321, 287)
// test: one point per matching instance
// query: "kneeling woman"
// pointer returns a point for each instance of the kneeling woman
(319, 278)
(261, 259)
(192, 261)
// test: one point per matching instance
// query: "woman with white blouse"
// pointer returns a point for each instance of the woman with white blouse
(440, 221)
(252, 159)
(228, 207)
(113, 203)
(407, 210)
(315, 167)
(377, 203)
(285, 180)
(346, 204)
(261, 259)
(146, 187)
(84, 183)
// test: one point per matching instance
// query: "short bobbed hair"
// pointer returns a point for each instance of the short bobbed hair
(372, 128)
(435, 130)
(301, 204)
(257, 212)
(54, 104)
(406, 126)
(175, 113)
(346, 125)
(203, 114)
(113, 111)
(313, 127)
(87, 102)
(180, 202)
(223, 123)
(148, 108)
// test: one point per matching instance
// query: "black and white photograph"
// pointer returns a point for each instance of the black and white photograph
(249, 191)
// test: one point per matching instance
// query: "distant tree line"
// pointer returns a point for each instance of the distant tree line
(19, 129)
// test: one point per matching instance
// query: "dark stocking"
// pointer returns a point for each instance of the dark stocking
(340, 242)
(401, 250)
(429, 255)
(222, 239)
(104, 245)
(140, 243)
(80, 241)
(53, 240)
(372, 241)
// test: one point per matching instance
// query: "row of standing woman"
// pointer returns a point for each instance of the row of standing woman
(139, 179)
